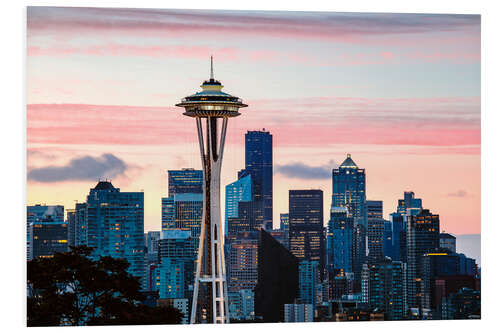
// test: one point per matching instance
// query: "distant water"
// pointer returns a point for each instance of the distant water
(470, 245)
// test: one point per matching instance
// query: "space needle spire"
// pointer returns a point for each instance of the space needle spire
(212, 109)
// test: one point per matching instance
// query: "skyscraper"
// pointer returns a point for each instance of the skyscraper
(349, 190)
(177, 254)
(422, 237)
(243, 259)
(374, 209)
(308, 273)
(236, 192)
(259, 164)
(185, 181)
(48, 232)
(278, 279)
(448, 241)
(409, 205)
(306, 226)
(183, 211)
(71, 222)
(340, 239)
(386, 282)
(115, 225)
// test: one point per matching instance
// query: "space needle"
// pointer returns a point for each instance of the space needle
(212, 109)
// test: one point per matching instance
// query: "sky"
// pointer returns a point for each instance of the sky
(399, 92)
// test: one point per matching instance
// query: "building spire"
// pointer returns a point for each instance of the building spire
(211, 67)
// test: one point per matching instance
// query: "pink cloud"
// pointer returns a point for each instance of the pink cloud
(433, 122)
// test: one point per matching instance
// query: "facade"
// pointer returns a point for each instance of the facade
(375, 237)
(185, 181)
(71, 222)
(47, 231)
(349, 189)
(443, 273)
(374, 209)
(183, 211)
(81, 226)
(236, 192)
(277, 281)
(386, 288)
(285, 228)
(306, 236)
(114, 222)
(422, 237)
(308, 282)
(397, 249)
(259, 164)
(409, 205)
(249, 218)
(448, 241)
(298, 313)
(340, 238)
(243, 259)
(177, 253)
(152, 240)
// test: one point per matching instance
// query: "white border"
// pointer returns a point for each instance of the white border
(13, 161)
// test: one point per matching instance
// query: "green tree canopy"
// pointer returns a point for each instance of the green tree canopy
(72, 289)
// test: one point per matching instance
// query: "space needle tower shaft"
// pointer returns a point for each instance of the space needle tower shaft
(212, 109)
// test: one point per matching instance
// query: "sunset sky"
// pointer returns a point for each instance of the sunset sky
(399, 92)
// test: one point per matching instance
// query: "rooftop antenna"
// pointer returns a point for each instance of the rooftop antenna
(211, 67)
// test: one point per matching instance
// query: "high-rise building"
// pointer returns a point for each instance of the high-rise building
(185, 181)
(298, 313)
(152, 239)
(241, 304)
(277, 281)
(409, 205)
(243, 258)
(236, 192)
(385, 281)
(81, 227)
(71, 222)
(376, 227)
(443, 274)
(340, 239)
(177, 251)
(448, 241)
(47, 231)
(115, 225)
(374, 209)
(349, 190)
(183, 211)
(285, 228)
(259, 164)
(464, 304)
(397, 250)
(306, 226)
(308, 280)
(422, 237)
(249, 218)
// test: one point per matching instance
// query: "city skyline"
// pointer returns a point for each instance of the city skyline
(439, 160)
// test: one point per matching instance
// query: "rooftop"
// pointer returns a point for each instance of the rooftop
(348, 163)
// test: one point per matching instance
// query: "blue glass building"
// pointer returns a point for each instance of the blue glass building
(185, 181)
(182, 211)
(340, 238)
(259, 164)
(409, 205)
(115, 225)
(308, 274)
(349, 190)
(236, 192)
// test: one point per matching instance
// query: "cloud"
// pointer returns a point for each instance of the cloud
(458, 194)
(300, 170)
(81, 168)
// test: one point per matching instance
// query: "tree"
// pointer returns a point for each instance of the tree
(72, 289)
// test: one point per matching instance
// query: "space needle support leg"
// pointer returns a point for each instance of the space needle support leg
(202, 231)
